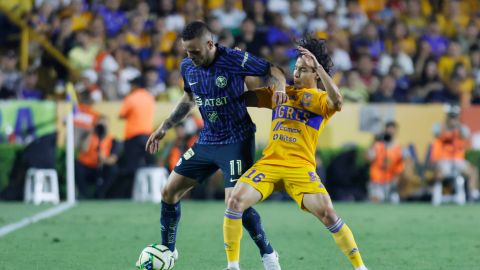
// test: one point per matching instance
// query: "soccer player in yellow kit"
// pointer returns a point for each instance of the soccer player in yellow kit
(289, 158)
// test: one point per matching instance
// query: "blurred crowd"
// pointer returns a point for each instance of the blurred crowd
(408, 51)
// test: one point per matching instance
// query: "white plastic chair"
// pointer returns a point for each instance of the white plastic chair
(459, 197)
(149, 183)
(41, 185)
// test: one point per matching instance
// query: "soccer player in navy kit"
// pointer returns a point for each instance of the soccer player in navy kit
(214, 78)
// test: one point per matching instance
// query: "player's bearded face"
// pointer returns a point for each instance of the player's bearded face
(197, 50)
(304, 75)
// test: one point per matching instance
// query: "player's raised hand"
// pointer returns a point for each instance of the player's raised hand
(279, 97)
(154, 140)
(308, 57)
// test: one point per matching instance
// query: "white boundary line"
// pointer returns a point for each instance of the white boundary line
(35, 218)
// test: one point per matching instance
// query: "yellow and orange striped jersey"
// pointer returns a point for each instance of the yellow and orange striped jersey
(295, 126)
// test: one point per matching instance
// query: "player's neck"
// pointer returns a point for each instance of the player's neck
(305, 85)
(213, 56)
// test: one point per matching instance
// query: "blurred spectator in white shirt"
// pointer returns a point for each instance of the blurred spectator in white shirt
(295, 18)
(229, 16)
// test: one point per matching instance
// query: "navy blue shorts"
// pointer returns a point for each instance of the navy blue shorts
(202, 160)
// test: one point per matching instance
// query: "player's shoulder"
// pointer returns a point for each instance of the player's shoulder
(313, 91)
(227, 51)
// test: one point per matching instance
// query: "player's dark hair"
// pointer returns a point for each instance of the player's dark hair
(318, 47)
(194, 30)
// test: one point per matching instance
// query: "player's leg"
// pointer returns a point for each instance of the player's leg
(242, 197)
(193, 167)
(176, 187)
(252, 222)
(234, 160)
(320, 205)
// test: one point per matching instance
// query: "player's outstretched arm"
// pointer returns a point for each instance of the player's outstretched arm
(258, 94)
(335, 99)
(183, 107)
(259, 97)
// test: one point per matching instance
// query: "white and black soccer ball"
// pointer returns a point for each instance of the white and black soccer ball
(155, 257)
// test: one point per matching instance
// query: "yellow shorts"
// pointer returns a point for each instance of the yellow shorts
(295, 181)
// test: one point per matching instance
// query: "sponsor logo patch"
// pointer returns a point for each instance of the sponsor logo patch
(306, 99)
(212, 116)
(221, 81)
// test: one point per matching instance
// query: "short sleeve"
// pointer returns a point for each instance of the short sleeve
(246, 64)
(186, 86)
(264, 97)
(316, 101)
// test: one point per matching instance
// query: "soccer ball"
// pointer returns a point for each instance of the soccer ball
(155, 257)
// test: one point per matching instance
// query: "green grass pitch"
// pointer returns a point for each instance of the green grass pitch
(110, 235)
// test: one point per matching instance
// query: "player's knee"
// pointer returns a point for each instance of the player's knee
(168, 196)
(235, 203)
(327, 215)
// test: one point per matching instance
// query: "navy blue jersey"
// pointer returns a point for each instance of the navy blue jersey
(217, 90)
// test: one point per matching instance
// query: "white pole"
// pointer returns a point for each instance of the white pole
(70, 159)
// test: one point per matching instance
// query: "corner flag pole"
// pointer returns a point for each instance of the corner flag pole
(69, 147)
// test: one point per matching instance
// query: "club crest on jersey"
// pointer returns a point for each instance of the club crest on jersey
(306, 99)
(188, 154)
(221, 81)
(212, 116)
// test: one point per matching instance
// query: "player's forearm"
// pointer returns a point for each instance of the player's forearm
(277, 79)
(181, 110)
(332, 90)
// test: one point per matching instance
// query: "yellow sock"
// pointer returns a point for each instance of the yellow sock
(232, 234)
(344, 238)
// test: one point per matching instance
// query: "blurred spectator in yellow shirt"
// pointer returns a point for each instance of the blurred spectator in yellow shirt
(466, 84)
(370, 7)
(83, 55)
(454, 56)
(80, 17)
(415, 20)
(136, 37)
(453, 19)
(399, 33)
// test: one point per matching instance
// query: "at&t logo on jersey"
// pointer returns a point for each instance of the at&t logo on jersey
(210, 101)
